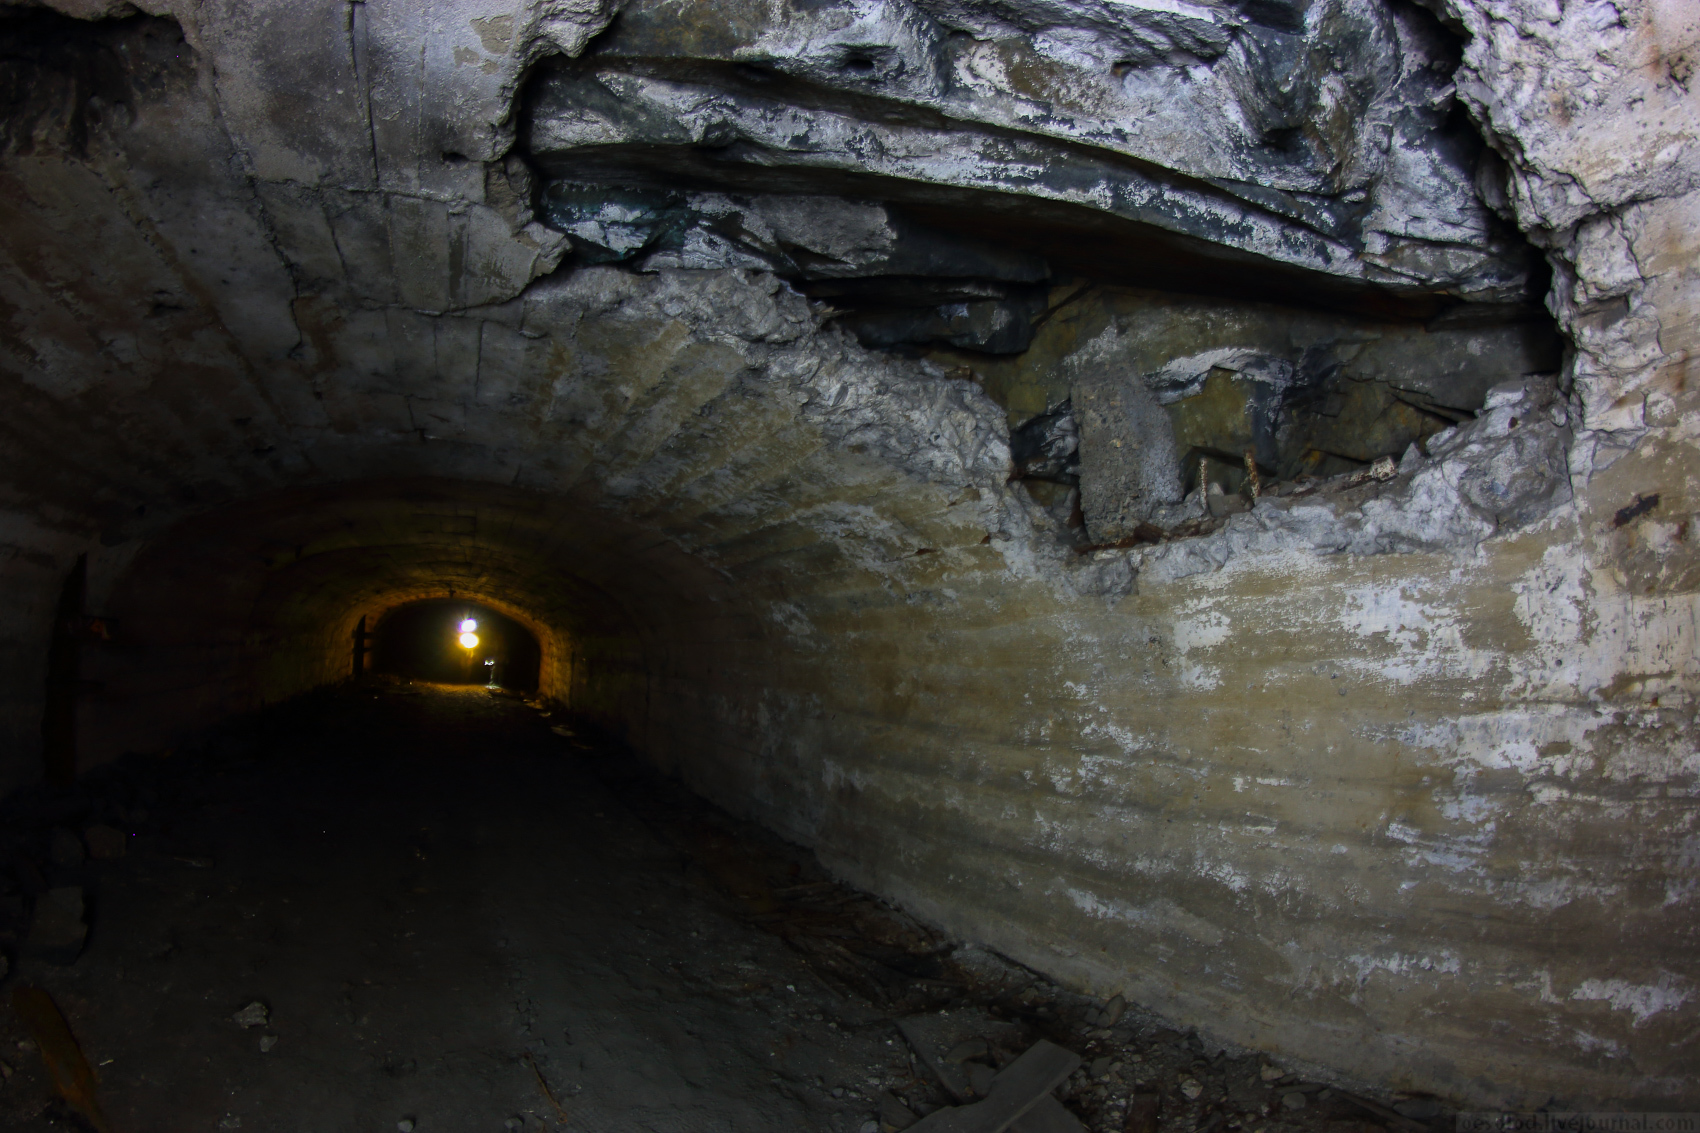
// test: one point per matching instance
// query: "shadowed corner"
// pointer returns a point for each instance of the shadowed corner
(73, 1078)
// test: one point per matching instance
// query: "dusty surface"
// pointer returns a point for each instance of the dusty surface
(424, 892)
(429, 892)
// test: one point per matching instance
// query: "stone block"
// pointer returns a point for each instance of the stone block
(58, 932)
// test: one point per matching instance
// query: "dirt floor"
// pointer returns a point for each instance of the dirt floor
(428, 908)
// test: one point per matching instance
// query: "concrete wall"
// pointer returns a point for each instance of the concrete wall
(1419, 817)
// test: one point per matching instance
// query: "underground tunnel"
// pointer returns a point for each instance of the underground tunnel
(1044, 565)
(448, 642)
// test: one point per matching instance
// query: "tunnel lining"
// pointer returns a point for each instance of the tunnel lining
(889, 534)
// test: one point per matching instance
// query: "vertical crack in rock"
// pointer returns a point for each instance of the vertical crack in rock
(360, 63)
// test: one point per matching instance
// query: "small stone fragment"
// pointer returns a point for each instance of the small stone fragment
(65, 848)
(1112, 1012)
(1142, 1113)
(267, 1042)
(894, 1115)
(1192, 1088)
(5, 1071)
(1100, 1066)
(105, 842)
(256, 1014)
(1271, 1073)
(405, 1125)
(1221, 505)
(1293, 1099)
(869, 1127)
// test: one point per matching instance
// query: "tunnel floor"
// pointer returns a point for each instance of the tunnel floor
(456, 912)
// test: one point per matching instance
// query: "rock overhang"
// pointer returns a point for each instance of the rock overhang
(1378, 193)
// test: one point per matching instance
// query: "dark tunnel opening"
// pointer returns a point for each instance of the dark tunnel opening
(449, 641)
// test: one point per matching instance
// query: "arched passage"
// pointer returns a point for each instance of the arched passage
(454, 640)
(251, 606)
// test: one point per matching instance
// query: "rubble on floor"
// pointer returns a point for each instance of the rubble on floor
(966, 1013)
(878, 1022)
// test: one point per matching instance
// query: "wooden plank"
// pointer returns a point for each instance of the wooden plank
(1017, 1090)
(1048, 1116)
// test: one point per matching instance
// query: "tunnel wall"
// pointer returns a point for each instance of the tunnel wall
(1423, 817)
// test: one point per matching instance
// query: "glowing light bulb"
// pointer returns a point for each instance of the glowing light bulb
(467, 625)
(469, 640)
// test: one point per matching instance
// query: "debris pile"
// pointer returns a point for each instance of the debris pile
(964, 1017)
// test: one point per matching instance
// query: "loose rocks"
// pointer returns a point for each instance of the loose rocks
(105, 842)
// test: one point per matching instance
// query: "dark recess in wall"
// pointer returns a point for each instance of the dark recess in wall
(973, 275)
(60, 76)
(1074, 239)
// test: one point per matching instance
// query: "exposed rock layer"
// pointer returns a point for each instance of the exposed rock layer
(1314, 139)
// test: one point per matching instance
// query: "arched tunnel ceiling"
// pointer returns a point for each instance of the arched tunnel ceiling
(221, 291)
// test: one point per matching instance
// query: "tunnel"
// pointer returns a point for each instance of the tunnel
(445, 641)
(848, 565)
